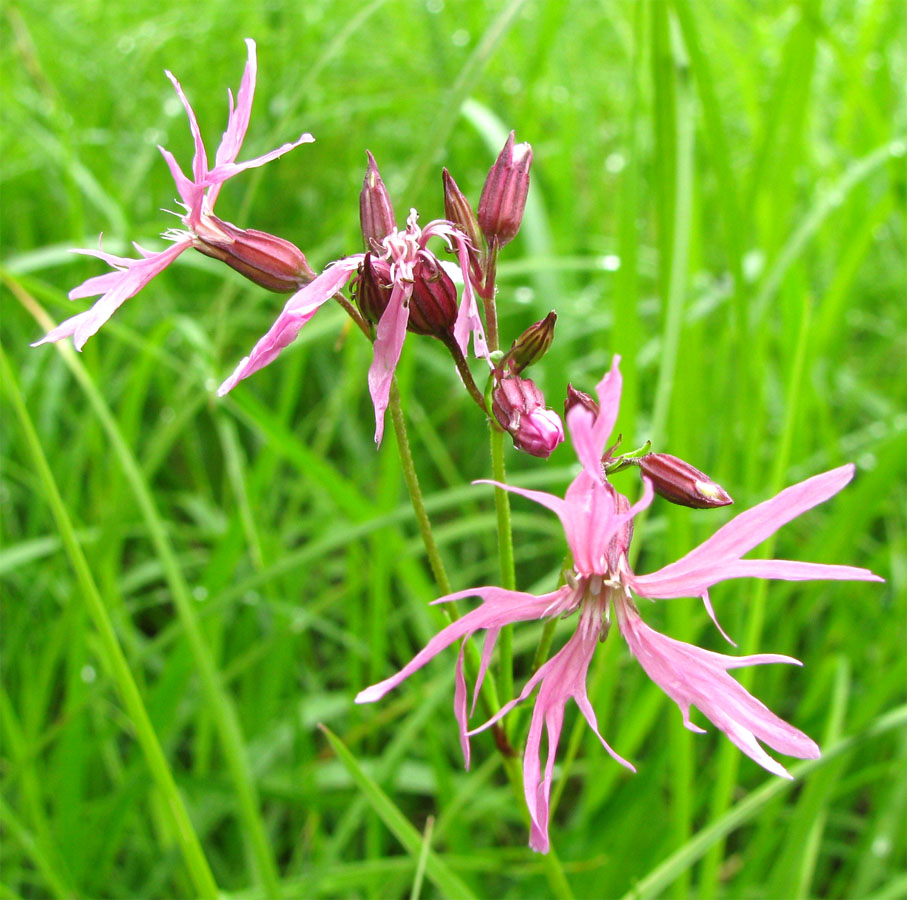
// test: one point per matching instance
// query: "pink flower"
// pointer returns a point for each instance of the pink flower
(395, 260)
(597, 523)
(197, 194)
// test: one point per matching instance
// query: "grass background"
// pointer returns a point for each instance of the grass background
(718, 195)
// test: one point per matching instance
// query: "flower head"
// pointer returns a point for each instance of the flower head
(269, 261)
(597, 523)
(396, 266)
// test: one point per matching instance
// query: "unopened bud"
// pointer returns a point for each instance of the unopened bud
(531, 345)
(519, 407)
(458, 211)
(371, 294)
(433, 305)
(579, 398)
(270, 261)
(504, 194)
(681, 483)
(376, 212)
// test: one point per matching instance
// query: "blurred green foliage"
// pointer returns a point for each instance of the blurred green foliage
(718, 195)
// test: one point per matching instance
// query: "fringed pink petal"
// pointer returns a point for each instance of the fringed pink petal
(661, 585)
(225, 171)
(750, 528)
(389, 338)
(690, 675)
(561, 678)
(119, 287)
(297, 312)
(501, 607)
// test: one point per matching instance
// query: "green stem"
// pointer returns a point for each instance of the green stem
(354, 314)
(465, 374)
(489, 692)
(554, 871)
(415, 494)
(113, 657)
(505, 553)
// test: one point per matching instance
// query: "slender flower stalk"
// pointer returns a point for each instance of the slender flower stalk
(597, 522)
(272, 262)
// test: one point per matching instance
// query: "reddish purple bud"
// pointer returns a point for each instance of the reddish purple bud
(681, 483)
(433, 305)
(579, 398)
(372, 293)
(530, 346)
(270, 261)
(504, 194)
(519, 407)
(459, 212)
(376, 212)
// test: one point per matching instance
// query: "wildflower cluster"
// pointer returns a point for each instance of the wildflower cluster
(398, 284)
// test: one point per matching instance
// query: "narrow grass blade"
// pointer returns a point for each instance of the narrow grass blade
(444, 879)
(223, 711)
(114, 659)
(654, 884)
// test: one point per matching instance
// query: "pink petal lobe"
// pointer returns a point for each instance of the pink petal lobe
(608, 390)
(225, 171)
(238, 121)
(460, 713)
(580, 423)
(296, 314)
(200, 159)
(662, 586)
(468, 318)
(389, 338)
(191, 193)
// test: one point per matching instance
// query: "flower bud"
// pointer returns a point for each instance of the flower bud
(519, 407)
(270, 261)
(579, 398)
(681, 483)
(459, 212)
(433, 305)
(371, 291)
(504, 194)
(531, 345)
(376, 212)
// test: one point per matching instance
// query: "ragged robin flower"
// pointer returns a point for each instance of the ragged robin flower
(597, 522)
(269, 261)
(396, 262)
